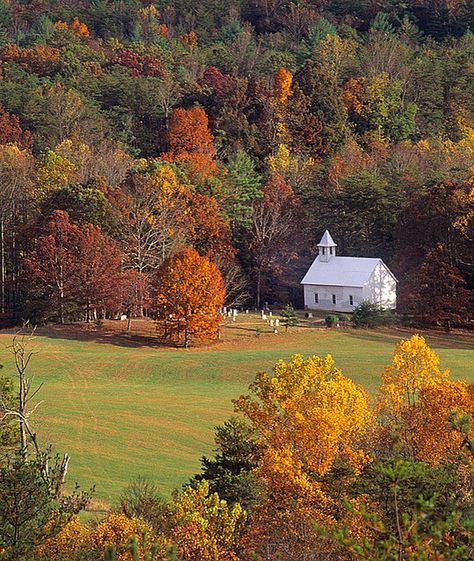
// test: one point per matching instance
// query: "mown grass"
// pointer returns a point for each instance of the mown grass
(122, 407)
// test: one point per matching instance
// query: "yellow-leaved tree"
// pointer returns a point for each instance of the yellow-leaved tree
(312, 423)
(156, 208)
(116, 531)
(414, 366)
(416, 403)
(204, 526)
(53, 172)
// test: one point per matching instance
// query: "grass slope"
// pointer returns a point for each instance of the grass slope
(122, 407)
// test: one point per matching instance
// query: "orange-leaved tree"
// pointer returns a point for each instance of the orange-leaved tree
(208, 232)
(189, 296)
(312, 423)
(191, 141)
(283, 81)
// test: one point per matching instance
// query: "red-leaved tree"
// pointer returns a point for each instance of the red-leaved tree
(97, 272)
(276, 230)
(11, 131)
(50, 266)
(73, 268)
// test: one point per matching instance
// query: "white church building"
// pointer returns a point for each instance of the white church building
(342, 283)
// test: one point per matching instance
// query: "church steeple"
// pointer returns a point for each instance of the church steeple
(327, 247)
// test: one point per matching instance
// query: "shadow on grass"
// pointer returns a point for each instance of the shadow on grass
(106, 336)
(438, 339)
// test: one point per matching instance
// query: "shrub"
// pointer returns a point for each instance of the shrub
(368, 314)
(290, 319)
(331, 320)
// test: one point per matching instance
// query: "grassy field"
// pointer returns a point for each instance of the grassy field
(123, 406)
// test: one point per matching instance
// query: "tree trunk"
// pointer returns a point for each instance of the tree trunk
(129, 323)
(259, 287)
(61, 477)
(186, 335)
(23, 412)
(61, 306)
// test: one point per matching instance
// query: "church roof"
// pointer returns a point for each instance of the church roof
(342, 271)
(326, 240)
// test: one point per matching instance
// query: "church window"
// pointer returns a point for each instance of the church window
(333, 298)
(351, 300)
(316, 298)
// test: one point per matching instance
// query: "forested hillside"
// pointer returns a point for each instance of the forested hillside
(131, 130)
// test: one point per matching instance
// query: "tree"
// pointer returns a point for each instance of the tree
(276, 222)
(11, 131)
(282, 87)
(33, 507)
(96, 272)
(116, 537)
(230, 472)
(414, 366)
(208, 233)
(190, 140)
(72, 266)
(290, 319)
(26, 508)
(416, 400)
(245, 185)
(320, 86)
(377, 108)
(189, 297)
(38, 58)
(50, 266)
(85, 204)
(154, 216)
(363, 210)
(440, 296)
(204, 526)
(431, 436)
(369, 314)
(440, 218)
(16, 167)
(78, 28)
(416, 523)
(8, 432)
(53, 173)
(142, 499)
(57, 115)
(311, 421)
(134, 294)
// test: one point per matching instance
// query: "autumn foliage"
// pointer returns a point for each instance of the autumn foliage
(332, 476)
(11, 131)
(419, 398)
(191, 141)
(209, 233)
(38, 58)
(189, 296)
(283, 81)
(308, 417)
(71, 266)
